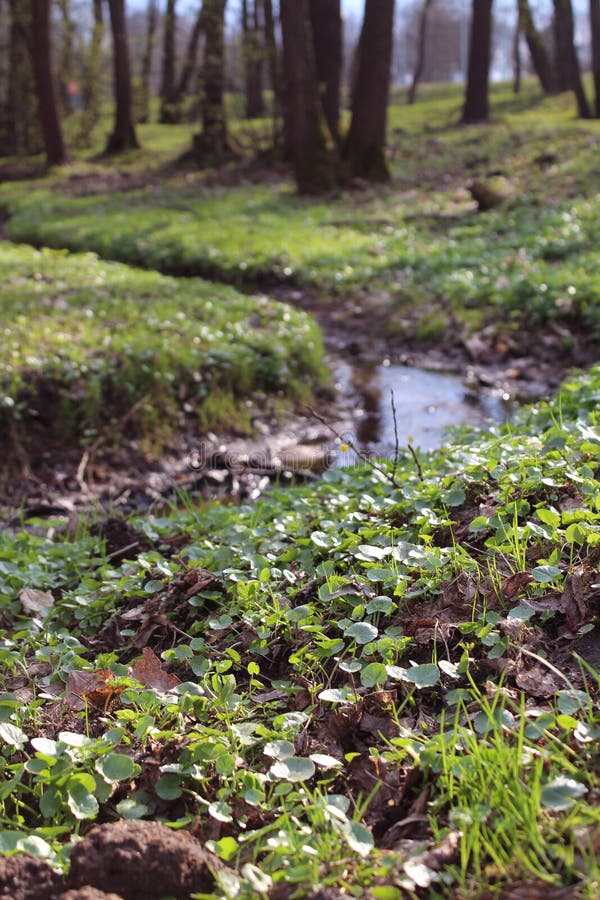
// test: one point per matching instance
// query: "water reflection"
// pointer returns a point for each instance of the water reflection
(426, 404)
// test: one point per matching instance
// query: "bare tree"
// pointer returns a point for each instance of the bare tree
(123, 136)
(540, 58)
(92, 80)
(66, 56)
(364, 147)
(476, 106)
(212, 142)
(567, 63)
(595, 28)
(144, 96)
(421, 45)
(189, 63)
(167, 89)
(47, 87)
(326, 22)
(253, 58)
(313, 163)
(21, 127)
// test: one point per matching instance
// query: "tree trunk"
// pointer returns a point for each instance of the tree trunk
(167, 90)
(364, 148)
(476, 107)
(252, 61)
(568, 64)
(212, 142)
(273, 66)
(22, 133)
(313, 165)
(326, 21)
(66, 76)
(47, 88)
(540, 59)
(123, 136)
(595, 27)
(517, 56)
(92, 82)
(144, 101)
(187, 70)
(421, 47)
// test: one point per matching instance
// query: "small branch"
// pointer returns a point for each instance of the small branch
(389, 476)
(413, 453)
(396, 438)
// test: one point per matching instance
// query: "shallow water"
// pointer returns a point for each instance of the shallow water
(426, 403)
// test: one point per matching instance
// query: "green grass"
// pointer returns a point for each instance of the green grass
(323, 681)
(417, 247)
(90, 345)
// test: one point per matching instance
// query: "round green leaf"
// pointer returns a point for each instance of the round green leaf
(359, 838)
(362, 632)
(372, 674)
(296, 768)
(12, 735)
(80, 798)
(168, 786)
(545, 574)
(115, 767)
(279, 749)
(423, 676)
(561, 792)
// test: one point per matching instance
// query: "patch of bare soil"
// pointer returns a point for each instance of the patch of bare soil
(25, 877)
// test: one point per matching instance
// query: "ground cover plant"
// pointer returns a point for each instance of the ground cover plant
(89, 346)
(432, 263)
(383, 683)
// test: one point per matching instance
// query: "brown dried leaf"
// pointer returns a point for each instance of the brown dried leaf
(36, 602)
(148, 671)
(574, 601)
(92, 687)
(514, 584)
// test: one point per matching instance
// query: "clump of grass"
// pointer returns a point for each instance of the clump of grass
(90, 345)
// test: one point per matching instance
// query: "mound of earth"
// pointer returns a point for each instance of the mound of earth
(141, 861)
(25, 877)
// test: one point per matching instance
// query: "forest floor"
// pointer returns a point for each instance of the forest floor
(381, 682)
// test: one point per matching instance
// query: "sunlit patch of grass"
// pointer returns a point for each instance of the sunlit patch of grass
(88, 345)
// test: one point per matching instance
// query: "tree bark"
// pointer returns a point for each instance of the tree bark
(421, 47)
(252, 60)
(123, 136)
(146, 72)
(364, 148)
(187, 70)
(91, 89)
(167, 90)
(47, 87)
(567, 63)
(22, 133)
(312, 161)
(595, 28)
(540, 59)
(517, 55)
(66, 76)
(326, 21)
(273, 66)
(476, 106)
(212, 142)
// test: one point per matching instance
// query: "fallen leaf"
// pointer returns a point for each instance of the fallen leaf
(148, 671)
(91, 687)
(574, 601)
(36, 602)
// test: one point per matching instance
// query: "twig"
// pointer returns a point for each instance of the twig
(396, 438)
(89, 451)
(389, 476)
(413, 453)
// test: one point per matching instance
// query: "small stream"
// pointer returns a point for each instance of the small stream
(426, 403)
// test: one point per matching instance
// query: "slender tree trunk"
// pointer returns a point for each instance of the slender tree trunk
(47, 87)
(92, 82)
(364, 148)
(187, 70)
(568, 67)
(252, 60)
(517, 55)
(167, 90)
(273, 66)
(326, 21)
(540, 59)
(212, 142)
(145, 75)
(66, 76)
(595, 27)
(123, 136)
(313, 164)
(22, 130)
(421, 48)
(476, 107)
